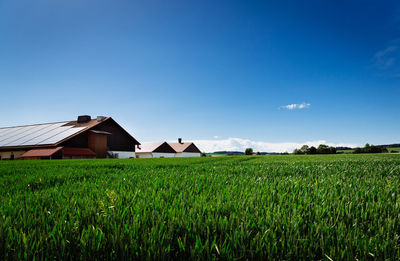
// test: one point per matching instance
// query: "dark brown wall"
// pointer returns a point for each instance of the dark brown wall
(118, 140)
(98, 144)
(80, 141)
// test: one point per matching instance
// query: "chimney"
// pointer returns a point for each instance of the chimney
(83, 118)
(100, 118)
(180, 140)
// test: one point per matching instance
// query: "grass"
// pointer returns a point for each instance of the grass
(264, 207)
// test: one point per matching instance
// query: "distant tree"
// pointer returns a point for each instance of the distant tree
(248, 151)
(312, 150)
(258, 153)
(358, 150)
(343, 148)
(323, 149)
(304, 149)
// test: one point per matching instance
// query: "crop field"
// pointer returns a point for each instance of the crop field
(257, 207)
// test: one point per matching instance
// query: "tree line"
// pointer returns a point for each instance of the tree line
(325, 149)
(321, 149)
(370, 149)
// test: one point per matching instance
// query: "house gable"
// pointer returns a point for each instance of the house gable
(192, 148)
(165, 148)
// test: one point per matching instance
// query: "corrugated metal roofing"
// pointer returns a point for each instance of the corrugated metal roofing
(44, 152)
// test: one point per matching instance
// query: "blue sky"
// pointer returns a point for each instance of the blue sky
(223, 73)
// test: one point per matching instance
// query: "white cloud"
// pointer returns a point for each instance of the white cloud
(296, 106)
(386, 58)
(238, 144)
(216, 137)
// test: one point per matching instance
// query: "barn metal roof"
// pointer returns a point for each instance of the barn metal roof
(47, 134)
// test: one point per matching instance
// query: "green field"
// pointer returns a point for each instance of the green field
(263, 207)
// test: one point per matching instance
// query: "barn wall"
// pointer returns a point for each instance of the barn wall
(118, 140)
(79, 141)
(7, 154)
(78, 157)
(31, 158)
(98, 144)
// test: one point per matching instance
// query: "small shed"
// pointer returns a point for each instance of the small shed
(155, 150)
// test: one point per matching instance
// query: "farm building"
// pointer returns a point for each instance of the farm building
(84, 138)
(185, 149)
(155, 150)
